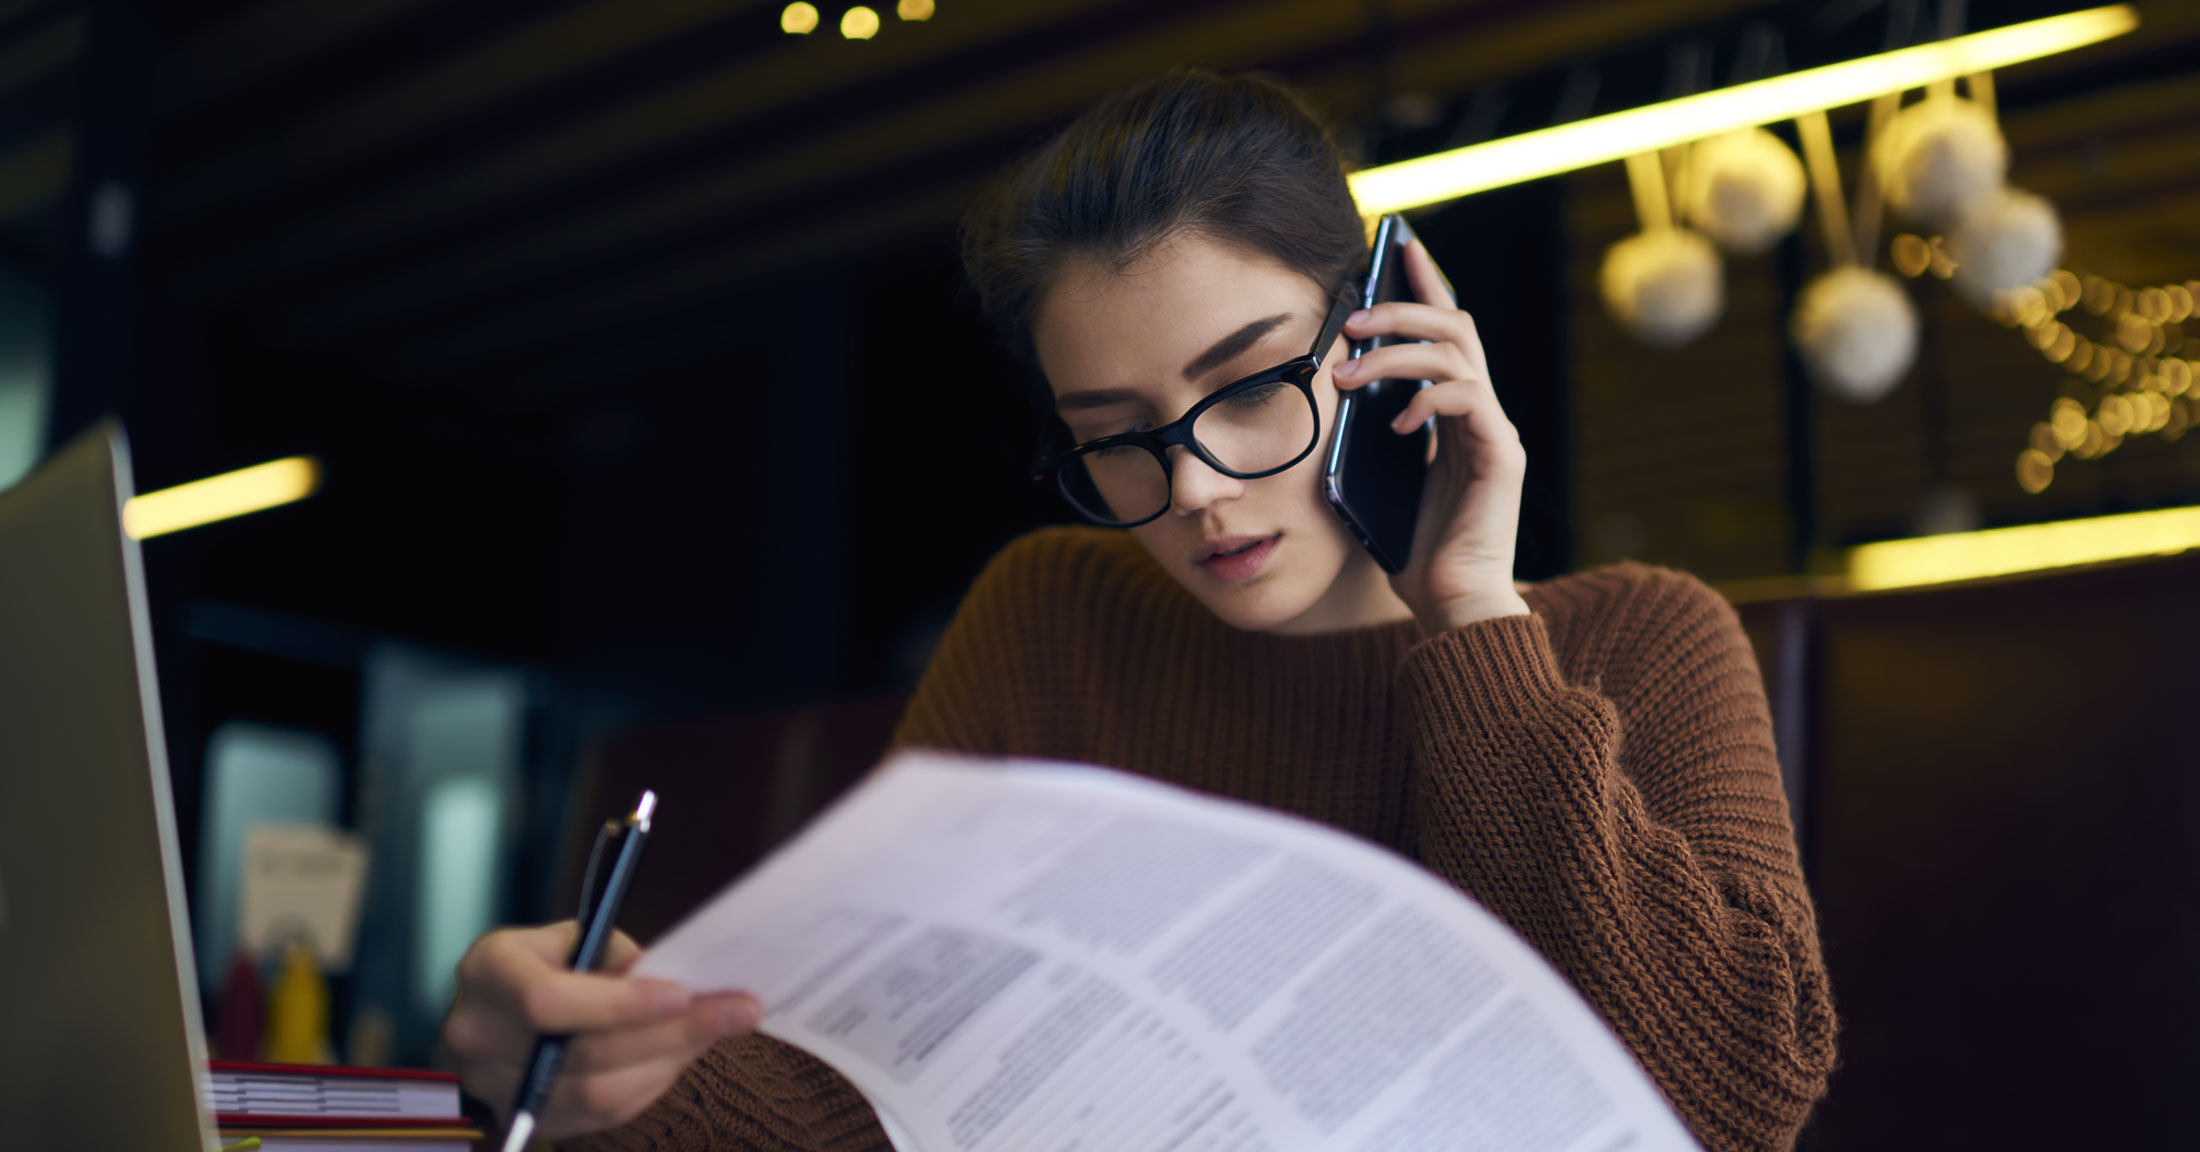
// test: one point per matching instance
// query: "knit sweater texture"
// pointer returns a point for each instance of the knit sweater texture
(1599, 773)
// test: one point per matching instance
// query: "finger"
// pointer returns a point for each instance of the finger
(617, 1064)
(1405, 318)
(1404, 362)
(482, 1039)
(1465, 397)
(587, 1001)
(1482, 445)
(621, 954)
(491, 1050)
(552, 942)
(1471, 406)
(1420, 322)
(547, 998)
(709, 1020)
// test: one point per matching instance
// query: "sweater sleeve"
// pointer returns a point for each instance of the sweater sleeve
(754, 1094)
(1640, 840)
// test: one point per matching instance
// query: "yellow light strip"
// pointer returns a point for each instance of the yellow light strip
(1602, 139)
(253, 489)
(2026, 548)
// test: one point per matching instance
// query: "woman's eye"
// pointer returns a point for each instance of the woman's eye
(1253, 397)
(1115, 450)
(1101, 433)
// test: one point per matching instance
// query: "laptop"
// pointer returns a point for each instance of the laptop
(100, 1038)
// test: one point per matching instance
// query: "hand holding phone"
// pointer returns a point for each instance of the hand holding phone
(1374, 476)
(1426, 472)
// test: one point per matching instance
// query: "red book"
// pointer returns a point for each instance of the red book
(242, 1094)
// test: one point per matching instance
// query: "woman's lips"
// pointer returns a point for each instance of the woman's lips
(1237, 559)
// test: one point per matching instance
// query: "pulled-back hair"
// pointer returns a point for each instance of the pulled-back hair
(1235, 159)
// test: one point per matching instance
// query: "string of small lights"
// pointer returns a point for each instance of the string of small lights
(2132, 378)
(857, 23)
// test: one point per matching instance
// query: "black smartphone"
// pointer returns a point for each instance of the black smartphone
(1374, 475)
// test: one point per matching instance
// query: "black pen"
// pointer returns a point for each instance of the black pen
(598, 915)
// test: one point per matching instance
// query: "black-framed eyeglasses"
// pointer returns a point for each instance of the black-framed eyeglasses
(1252, 427)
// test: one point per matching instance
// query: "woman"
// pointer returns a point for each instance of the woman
(1591, 758)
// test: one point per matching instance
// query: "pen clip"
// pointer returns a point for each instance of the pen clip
(612, 832)
(606, 836)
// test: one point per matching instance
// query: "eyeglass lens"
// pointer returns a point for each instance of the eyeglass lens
(1259, 430)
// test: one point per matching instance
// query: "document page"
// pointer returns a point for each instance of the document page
(1039, 957)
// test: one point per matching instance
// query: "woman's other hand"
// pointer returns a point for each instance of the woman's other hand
(631, 1037)
(1461, 569)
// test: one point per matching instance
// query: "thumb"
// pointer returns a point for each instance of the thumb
(621, 953)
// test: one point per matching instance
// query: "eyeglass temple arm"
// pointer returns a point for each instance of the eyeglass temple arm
(1348, 302)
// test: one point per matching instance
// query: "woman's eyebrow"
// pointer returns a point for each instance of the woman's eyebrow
(1094, 398)
(1231, 345)
(1222, 352)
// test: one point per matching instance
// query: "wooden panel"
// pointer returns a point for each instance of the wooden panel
(2005, 848)
(1678, 452)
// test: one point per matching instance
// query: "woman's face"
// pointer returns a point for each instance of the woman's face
(1135, 349)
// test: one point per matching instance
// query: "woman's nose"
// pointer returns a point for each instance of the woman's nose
(1193, 485)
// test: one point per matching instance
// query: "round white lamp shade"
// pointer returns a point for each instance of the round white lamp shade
(1856, 332)
(1745, 190)
(1937, 156)
(1664, 285)
(2003, 241)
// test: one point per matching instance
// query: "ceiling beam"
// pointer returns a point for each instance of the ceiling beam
(316, 142)
(277, 35)
(801, 66)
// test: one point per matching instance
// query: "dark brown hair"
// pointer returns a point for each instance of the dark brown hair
(1236, 159)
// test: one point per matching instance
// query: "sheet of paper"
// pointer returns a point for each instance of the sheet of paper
(302, 880)
(1028, 956)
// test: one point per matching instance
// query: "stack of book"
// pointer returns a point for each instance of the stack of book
(321, 1108)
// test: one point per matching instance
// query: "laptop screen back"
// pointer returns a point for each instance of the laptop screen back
(100, 1041)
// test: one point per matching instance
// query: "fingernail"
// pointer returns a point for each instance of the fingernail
(1356, 317)
(1347, 367)
(666, 999)
(1401, 422)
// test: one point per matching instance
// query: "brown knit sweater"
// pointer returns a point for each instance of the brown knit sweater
(1600, 774)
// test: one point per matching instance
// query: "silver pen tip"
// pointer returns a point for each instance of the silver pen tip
(523, 1127)
(643, 810)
